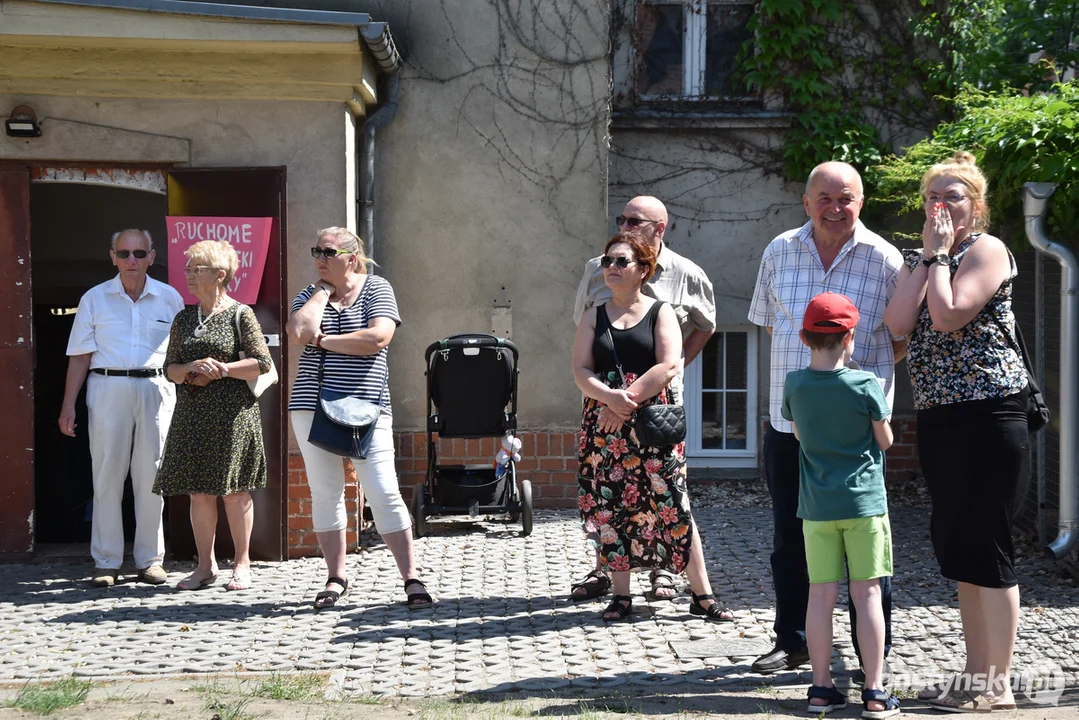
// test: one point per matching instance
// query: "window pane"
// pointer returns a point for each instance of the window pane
(737, 360)
(736, 421)
(712, 421)
(661, 32)
(726, 33)
(712, 363)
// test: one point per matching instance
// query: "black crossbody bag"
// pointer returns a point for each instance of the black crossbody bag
(1037, 410)
(658, 424)
(344, 425)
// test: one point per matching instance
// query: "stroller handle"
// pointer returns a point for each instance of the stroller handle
(468, 340)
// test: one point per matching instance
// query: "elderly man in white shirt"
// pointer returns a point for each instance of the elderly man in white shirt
(833, 252)
(119, 338)
(682, 284)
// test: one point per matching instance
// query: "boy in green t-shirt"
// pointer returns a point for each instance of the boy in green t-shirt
(840, 418)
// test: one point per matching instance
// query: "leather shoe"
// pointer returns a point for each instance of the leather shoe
(153, 575)
(103, 577)
(778, 659)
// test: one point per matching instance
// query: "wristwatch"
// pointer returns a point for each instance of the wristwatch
(941, 259)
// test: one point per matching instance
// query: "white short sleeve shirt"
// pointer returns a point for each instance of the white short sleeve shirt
(791, 274)
(122, 334)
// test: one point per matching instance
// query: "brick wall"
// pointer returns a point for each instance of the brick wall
(548, 459)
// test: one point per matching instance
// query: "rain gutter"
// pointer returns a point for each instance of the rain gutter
(1035, 200)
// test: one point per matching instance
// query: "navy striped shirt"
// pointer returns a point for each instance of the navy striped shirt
(362, 376)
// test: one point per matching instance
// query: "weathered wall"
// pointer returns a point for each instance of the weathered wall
(492, 184)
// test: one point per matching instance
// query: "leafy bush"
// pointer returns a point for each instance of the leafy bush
(1017, 138)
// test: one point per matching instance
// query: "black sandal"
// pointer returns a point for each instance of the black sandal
(836, 700)
(889, 701)
(593, 590)
(622, 605)
(663, 580)
(713, 612)
(420, 599)
(329, 598)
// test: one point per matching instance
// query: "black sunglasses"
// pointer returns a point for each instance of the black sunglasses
(623, 262)
(122, 254)
(328, 253)
(632, 221)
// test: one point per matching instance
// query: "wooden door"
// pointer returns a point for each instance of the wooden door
(247, 192)
(16, 366)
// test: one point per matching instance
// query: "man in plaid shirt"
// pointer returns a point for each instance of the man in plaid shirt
(833, 252)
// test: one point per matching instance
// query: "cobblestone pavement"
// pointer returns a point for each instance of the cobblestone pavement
(504, 621)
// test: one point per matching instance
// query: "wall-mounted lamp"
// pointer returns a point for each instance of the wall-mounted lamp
(23, 122)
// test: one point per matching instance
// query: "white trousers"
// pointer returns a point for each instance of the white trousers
(377, 475)
(129, 419)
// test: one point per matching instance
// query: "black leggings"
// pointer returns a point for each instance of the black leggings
(976, 460)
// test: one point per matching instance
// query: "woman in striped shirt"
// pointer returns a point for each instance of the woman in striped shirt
(346, 320)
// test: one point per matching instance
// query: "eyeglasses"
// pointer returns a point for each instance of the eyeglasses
(950, 198)
(622, 262)
(328, 253)
(122, 254)
(194, 269)
(632, 221)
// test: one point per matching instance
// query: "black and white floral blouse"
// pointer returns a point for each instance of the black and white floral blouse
(977, 361)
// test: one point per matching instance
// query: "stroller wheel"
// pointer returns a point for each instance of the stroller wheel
(526, 508)
(419, 516)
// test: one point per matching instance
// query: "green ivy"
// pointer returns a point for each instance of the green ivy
(1016, 138)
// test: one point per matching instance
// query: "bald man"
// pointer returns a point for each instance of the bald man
(682, 284)
(833, 252)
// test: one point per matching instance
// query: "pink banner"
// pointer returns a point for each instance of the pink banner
(249, 235)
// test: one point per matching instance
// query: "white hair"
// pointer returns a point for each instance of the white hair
(145, 234)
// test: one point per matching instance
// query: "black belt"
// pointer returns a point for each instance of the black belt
(142, 373)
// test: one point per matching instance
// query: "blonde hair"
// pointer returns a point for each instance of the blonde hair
(217, 254)
(963, 167)
(349, 241)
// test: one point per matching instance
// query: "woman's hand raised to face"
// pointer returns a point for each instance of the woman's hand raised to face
(938, 235)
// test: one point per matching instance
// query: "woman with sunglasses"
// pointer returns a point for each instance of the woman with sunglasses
(214, 446)
(345, 322)
(632, 497)
(954, 300)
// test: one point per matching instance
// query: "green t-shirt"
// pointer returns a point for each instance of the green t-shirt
(841, 465)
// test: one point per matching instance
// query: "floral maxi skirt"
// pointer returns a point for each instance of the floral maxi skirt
(632, 499)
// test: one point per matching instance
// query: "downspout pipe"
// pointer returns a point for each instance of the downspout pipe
(1035, 199)
(377, 38)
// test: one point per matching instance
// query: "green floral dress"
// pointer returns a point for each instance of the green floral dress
(214, 445)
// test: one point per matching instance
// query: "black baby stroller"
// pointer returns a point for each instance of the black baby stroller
(471, 393)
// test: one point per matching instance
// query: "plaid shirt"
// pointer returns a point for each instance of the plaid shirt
(791, 274)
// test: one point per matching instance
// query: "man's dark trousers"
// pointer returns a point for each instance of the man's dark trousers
(789, 574)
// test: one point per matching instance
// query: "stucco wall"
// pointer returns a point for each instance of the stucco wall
(492, 186)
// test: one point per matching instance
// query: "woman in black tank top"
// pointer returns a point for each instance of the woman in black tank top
(633, 497)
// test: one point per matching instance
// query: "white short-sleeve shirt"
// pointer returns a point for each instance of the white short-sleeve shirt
(791, 274)
(123, 334)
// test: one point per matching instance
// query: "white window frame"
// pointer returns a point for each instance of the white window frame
(694, 49)
(698, 456)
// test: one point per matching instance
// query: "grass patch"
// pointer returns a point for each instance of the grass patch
(291, 687)
(366, 699)
(224, 710)
(46, 698)
(441, 710)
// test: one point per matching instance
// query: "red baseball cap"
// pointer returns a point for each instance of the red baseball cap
(830, 313)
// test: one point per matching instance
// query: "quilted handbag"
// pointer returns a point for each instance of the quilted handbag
(262, 383)
(658, 424)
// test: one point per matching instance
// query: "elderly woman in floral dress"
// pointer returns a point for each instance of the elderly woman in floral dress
(633, 497)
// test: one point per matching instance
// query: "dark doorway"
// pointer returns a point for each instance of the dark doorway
(71, 226)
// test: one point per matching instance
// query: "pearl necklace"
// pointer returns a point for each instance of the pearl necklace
(200, 329)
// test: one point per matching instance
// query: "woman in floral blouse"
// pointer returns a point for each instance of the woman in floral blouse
(954, 300)
(633, 497)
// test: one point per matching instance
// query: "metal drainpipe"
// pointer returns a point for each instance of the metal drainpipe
(1035, 199)
(374, 123)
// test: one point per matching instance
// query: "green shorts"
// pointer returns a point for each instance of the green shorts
(865, 542)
